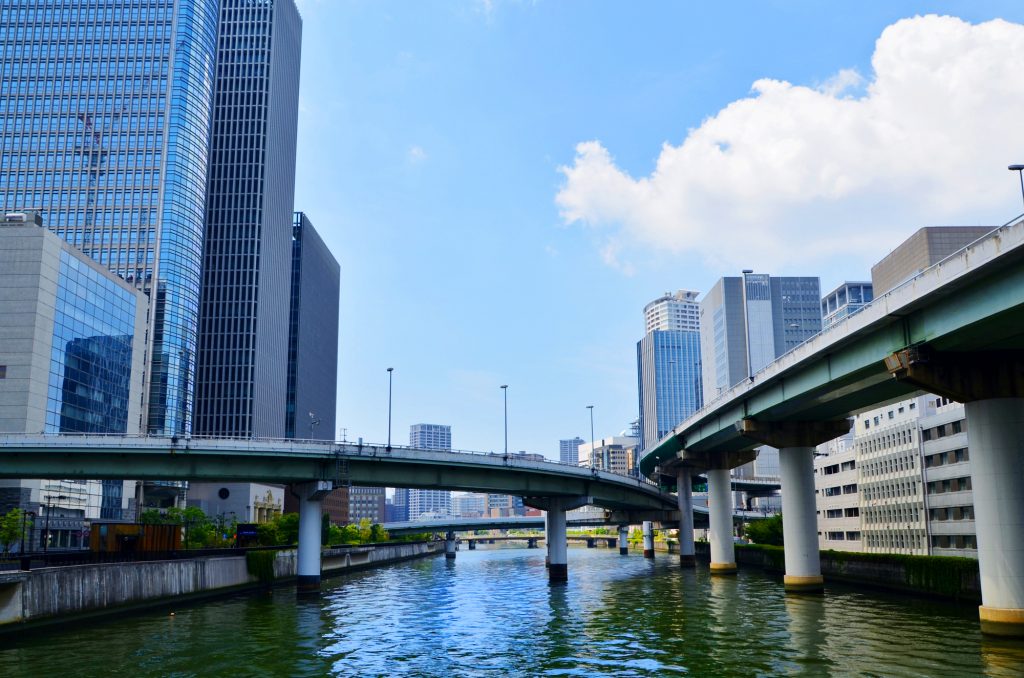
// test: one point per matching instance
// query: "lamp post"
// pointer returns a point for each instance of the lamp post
(593, 449)
(390, 370)
(1019, 169)
(504, 390)
(313, 421)
(49, 508)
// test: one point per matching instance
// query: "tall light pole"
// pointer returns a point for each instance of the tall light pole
(504, 390)
(593, 449)
(1019, 169)
(390, 370)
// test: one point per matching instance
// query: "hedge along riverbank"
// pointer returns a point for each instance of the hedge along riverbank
(948, 577)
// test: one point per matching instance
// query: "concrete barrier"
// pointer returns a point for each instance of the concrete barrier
(55, 593)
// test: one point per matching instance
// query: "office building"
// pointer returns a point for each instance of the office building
(888, 455)
(366, 503)
(242, 378)
(838, 513)
(430, 503)
(949, 497)
(569, 450)
(747, 322)
(401, 503)
(845, 300)
(106, 121)
(668, 361)
(617, 454)
(71, 361)
(927, 247)
(469, 505)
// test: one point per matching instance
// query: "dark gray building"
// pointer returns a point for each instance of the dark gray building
(747, 322)
(313, 335)
(243, 325)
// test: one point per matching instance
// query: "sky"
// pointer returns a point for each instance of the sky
(507, 183)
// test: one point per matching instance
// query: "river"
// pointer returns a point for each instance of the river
(492, 612)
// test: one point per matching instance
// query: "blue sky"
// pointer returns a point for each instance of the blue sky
(506, 184)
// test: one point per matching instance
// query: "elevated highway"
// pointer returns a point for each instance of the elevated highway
(314, 468)
(956, 330)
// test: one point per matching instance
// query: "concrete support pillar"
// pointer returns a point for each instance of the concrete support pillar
(623, 540)
(449, 546)
(648, 528)
(547, 541)
(684, 490)
(472, 544)
(558, 569)
(310, 516)
(531, 543)
(591, 543)
(996, 430)
(723, 551)
(799, 520)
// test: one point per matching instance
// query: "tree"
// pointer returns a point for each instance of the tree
(288, 528)
(378, 533)
(365, 531)
(768, 531)
(13, 525)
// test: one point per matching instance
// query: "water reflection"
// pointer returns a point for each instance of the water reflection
(492, 612)
(807, 637)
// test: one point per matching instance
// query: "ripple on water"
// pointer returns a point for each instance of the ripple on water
(492, 612)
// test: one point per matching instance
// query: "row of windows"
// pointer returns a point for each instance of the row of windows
(954, 541)
(913, 540)
(945, 458)
(839, 468)
(849, 512)
(952, 513)
(886, 515)
(837, 490)
(944, 430)
(950, 485)
(891, 490)
(853, 535)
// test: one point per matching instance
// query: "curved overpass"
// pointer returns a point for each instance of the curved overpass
(291, 461)
(955, 313)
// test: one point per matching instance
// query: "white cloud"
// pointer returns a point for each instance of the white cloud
(795, 175)
(416, 155)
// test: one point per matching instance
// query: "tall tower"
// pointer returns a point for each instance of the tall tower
(669, 364)
(243, 326)
(747, 322)
(430, 437)
(107, 135)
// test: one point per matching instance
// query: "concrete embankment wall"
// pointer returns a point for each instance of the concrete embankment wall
(61, 592)
(956, 578)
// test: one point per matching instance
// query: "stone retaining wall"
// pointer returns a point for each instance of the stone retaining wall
(59, 592)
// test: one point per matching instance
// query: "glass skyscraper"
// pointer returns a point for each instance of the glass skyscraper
(668, 365)
(104, 125)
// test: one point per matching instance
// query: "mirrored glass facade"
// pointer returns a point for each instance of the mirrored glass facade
(91, 354)
(669, 369)
(104, 123)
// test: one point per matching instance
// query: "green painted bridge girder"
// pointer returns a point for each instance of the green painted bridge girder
(99, 457)
(971, 302)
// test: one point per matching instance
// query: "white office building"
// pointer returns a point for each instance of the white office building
(432, 502)
(569, 449)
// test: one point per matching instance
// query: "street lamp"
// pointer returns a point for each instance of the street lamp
(313, 421)
(593, 449)
(504, 390)
(1019, 169)
(49, 509)
(390, 370)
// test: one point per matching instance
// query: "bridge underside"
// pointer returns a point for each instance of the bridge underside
(837, 375)
(369, 467)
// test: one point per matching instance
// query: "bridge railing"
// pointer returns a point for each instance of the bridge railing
(731, 393)
(257, 443)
